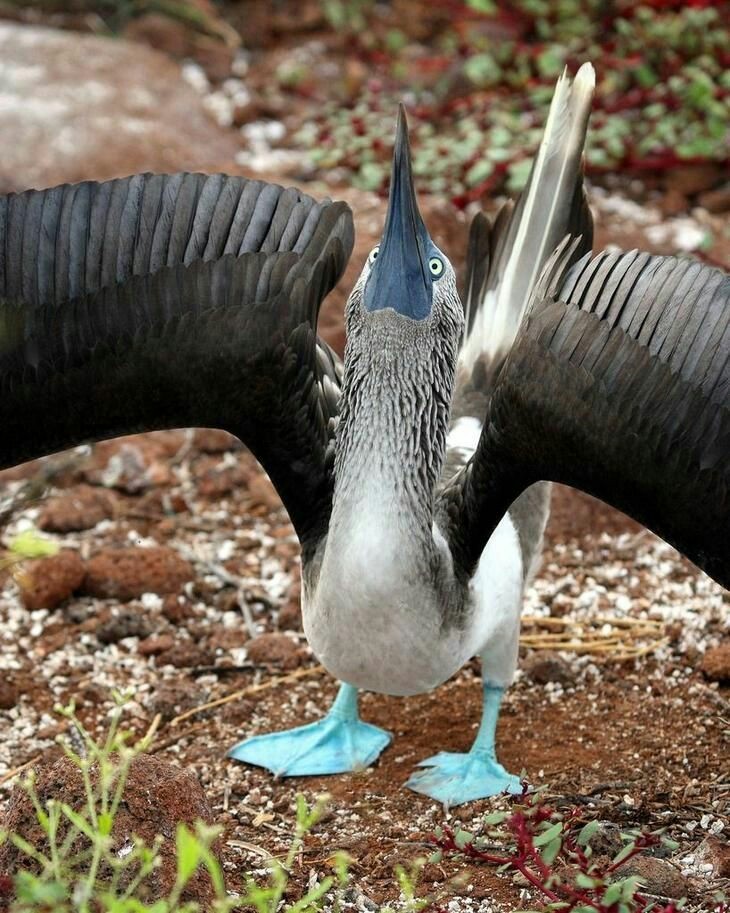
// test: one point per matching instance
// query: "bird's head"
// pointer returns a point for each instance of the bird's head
(407, 286)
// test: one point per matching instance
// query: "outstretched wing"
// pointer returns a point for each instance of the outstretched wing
(170, 301)
(504, 262)
(618, 384)
(505, 258)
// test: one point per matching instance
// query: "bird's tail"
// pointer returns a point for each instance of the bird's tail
(505, 258)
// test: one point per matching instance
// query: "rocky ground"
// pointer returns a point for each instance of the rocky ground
(178, 577)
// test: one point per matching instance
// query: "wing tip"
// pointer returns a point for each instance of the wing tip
(585, 78)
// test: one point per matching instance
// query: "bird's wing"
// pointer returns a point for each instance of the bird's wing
(171, 301)
(505, 259)
(618, 384)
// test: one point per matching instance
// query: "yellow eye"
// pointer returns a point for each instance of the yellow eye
(436, 265)
(373, 255)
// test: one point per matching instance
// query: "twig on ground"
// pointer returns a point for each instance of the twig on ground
(252, 689)
(19, 769)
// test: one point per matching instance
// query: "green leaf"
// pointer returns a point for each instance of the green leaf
(518, 175)
(612, 894)
(30, 544)
(587, 833)
(462, 838)
(585, 881)
(488, 7)
(188, 854)
(482, 70)
(551, 61)
(624, 853)
(645, 76)
(395, 40)
(550, 834)
(311, 899)
(371, 176)
(495, 818)
(38, 893)
(478, 172)
(629, 887)
(79, 821)
(552, 849)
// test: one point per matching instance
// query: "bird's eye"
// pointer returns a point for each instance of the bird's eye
(436, 265)
(373, 255)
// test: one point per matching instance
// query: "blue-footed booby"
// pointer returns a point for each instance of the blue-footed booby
(416, 472)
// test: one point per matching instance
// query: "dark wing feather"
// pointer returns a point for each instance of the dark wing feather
(120, 312)
(618, 384)
(75, 239)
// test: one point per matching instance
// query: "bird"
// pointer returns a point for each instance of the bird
(416, 472)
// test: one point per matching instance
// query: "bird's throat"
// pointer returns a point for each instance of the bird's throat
(391, 441)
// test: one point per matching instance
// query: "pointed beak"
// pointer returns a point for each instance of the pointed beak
(400, 278)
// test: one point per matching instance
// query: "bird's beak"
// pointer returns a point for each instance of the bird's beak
(399, 277)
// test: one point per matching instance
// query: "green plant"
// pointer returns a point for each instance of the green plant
(552, 852)
(662, 96)
(80, 870)
(25, 546)
(347, 15)
(408, 883)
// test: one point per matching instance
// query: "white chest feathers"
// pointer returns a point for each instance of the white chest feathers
(377, 621)
(375, 617)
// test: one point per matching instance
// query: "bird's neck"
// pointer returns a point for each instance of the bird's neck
(391, 441)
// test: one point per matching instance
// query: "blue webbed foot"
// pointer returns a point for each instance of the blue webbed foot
(454, 778)
(338, 743)
(330, 746)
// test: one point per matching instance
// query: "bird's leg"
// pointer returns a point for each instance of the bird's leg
(454, 778)
(338, 743)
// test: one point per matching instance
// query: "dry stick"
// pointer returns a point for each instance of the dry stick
(175, 739)
(17, 770)
(252, 689)
(629, 622)
(547, 621)
(550, 620)
(231, 580)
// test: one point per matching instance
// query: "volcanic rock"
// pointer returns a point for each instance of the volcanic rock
(157, 797)
(46, 582)
(127, 573)
(716, 852)
(126, 623)
(82, 508)
(9, 695)
(274, 649)
(213, 440)
(716, 662)
(543, 667)
(656, 876)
